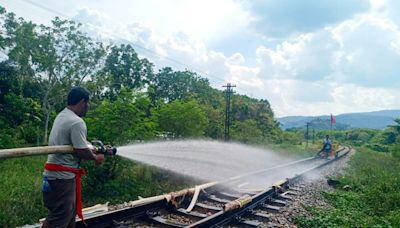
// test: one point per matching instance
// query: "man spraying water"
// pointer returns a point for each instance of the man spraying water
(61, 178)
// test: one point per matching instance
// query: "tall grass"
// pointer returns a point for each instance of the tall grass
(20, 191)
(371, 198)
(21, 198)
(296, 151)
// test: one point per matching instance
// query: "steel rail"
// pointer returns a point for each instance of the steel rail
(223, 217)
(107, 219)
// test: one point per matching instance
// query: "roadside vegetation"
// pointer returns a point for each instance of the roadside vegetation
(368, 194)
(369, 191)
(21, 197)
(131, 101)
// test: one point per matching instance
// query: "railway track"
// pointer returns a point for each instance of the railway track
(246, 201)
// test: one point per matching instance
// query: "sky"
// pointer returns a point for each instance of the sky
(307, 57)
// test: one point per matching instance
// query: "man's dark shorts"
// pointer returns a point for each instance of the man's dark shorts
(60, 202)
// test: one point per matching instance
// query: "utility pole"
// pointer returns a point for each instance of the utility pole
(313, 136)
(228, 92)
(307, 126)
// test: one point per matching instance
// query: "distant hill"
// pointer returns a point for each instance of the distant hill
(372, 120)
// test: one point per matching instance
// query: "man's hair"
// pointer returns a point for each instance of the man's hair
(76, 94)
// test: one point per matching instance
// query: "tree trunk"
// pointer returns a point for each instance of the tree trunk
(46, 127)
(47, 116)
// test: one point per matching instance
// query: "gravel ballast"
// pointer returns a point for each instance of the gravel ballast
(309, 195)
(308, 191)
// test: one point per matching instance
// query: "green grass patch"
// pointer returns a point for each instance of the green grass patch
(20, 191)
(128, 181)
(295, 150)
(372, 200)
(21, 178)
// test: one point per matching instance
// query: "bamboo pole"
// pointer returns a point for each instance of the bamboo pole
(31, 151)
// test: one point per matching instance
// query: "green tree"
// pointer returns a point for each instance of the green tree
(124, 69)
(178, 85)
(247, 131)
(122, 120)
(184, 119)
(19, 111)
(65, 57)
(395, 147)
(245, 108)
(215, 124)
(19, 43)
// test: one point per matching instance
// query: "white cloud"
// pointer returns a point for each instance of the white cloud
(369, 53)
(273, 63)
(391, 9)
(292, 97)
(307, 57)
(331, 56)
(349, 96)
(209, 19)
(281, 18)
(236, 59)
(245, 77)
(316, 73)
(92, 17)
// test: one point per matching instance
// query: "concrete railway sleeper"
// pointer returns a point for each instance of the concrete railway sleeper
(215, 204)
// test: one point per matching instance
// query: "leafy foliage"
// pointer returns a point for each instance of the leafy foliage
(183, 119)
(44, 62)
(121, 120)
(21, 198)
(124, 69)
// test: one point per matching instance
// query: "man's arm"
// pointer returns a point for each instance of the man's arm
(78, 139)
(87, 154)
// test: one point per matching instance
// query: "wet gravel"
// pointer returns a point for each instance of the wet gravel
(308, 196)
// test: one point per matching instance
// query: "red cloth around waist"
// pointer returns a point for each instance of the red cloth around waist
(78, 174)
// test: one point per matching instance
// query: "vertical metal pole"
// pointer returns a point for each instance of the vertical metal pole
(228, 92)
(226, 112)
(307, 125)
(228, 108)
(313, 136)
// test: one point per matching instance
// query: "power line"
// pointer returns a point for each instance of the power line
(127, 41)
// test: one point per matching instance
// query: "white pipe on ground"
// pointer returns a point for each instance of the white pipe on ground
(31, 151)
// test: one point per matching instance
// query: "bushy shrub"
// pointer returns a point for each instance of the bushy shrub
(395, 149)
(377, 147)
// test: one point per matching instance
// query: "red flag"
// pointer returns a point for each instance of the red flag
(332, 119)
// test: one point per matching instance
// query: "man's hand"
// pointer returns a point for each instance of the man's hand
(90, 154)
(93, 149)
(99, 159)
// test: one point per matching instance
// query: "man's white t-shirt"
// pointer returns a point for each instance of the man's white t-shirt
(68, 129)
